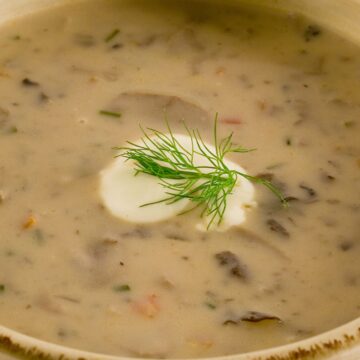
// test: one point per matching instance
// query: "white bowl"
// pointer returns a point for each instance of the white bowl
(343, 343)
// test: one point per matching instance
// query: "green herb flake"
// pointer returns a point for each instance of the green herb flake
(62, 333)
(13, 130)
(210, 305)
(110, 113)
(2, 288)
(10, 253)
(349, 124)
(39, 236)
(122, 288)
(112, 35)
(275, 166)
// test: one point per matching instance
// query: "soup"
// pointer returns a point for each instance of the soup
(78, 80)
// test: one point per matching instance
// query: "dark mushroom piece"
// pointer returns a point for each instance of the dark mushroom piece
(233, 264)
(251, 317)
(310, 191)
(276, 227)
(29, 83)
(150, 107)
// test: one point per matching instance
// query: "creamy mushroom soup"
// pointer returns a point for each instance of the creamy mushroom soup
(78, 80)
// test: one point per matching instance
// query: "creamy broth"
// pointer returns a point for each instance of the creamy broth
(74, 275)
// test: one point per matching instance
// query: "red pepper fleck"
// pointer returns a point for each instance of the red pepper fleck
(231, 121)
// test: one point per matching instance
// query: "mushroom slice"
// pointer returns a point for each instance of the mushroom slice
(251, 317)
(152, 108)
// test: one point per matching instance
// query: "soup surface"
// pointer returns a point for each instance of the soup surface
(77, 80)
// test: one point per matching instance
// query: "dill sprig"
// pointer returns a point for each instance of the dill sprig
(162, 155)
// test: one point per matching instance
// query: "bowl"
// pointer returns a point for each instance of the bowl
(343, 343)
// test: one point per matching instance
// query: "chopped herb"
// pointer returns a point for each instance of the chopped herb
(210, 305)
(122, 288)
(349, 124)
(275, 166)
(176, 237)
(112, 35)
(39, 236)
(84, 40)
(10, 253)
(163, 156)
(288, 142)
(110, 113)
(2, 288)
(13, 130)
(16, 37)
(68, 299)
(28, 82)
(311, 32)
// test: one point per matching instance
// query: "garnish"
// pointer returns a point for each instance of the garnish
(38, 236)
(349, 124)
(121, 288)
(112, 35)
(2, 288)
(13, 130)
(162, 155)
(110, 113)
(210, 305)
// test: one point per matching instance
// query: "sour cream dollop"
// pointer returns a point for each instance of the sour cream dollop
(124, 194)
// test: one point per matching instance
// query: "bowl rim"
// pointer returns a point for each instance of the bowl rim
(339, 341)
(342, 341)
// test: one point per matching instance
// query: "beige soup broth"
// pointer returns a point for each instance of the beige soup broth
(78, 80)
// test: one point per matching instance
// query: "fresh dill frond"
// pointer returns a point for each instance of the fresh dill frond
(209, 185)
